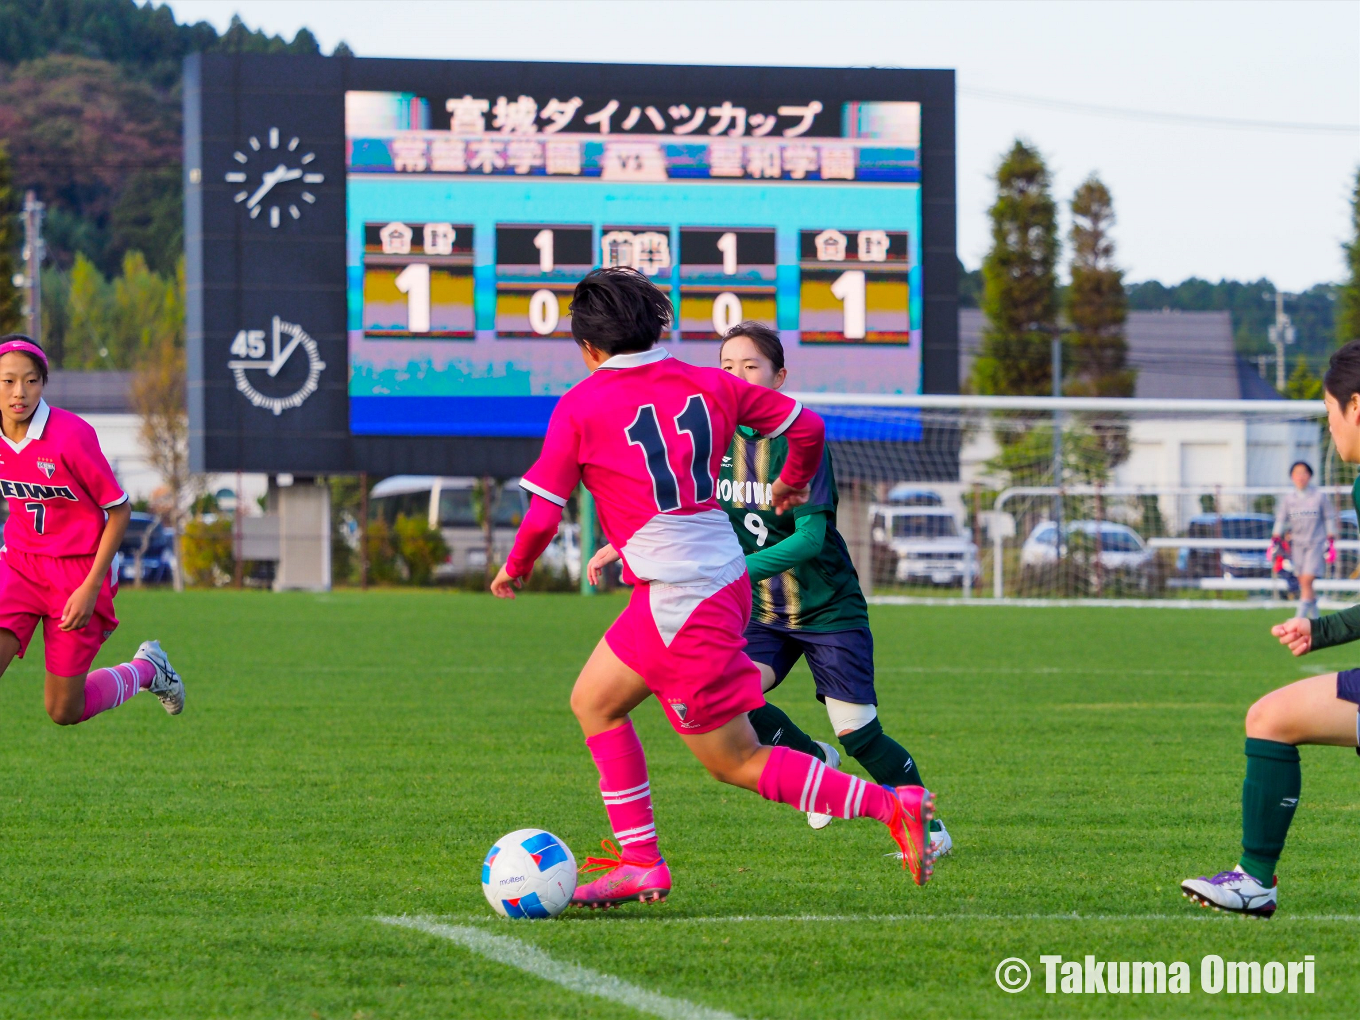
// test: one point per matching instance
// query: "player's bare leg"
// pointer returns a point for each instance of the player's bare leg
(1305, 712)
(733, 755)
(633, 869)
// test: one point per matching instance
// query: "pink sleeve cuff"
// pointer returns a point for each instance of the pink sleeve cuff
(538, 528)
(806, 435)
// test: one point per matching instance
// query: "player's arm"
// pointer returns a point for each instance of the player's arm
(772, 414)
(805, 543)
(551, 481)
(80, 606)
(1301, 635)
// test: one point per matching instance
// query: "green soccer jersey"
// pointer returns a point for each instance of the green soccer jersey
(821, 594)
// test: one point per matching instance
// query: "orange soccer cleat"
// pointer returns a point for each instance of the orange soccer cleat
(914, 807)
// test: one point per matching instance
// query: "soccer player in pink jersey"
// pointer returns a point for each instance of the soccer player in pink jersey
(67, 516)
(646, 434)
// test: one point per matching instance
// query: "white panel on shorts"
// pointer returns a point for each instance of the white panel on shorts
(673, 604)
(688, 549)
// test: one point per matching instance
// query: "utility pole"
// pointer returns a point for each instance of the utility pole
(34, 250)
(1055, 354)
(1281, 333)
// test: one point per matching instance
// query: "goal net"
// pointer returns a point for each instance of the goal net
(1004, 497)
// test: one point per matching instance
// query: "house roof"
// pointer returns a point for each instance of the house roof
(1177, 354)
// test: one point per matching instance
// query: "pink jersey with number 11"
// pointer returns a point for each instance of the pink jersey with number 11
(646, 433)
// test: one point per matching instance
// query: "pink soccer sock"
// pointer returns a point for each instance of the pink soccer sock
(109, 687)
(802, 781)
(626, 790)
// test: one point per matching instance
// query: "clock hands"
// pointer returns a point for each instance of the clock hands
(278, 175)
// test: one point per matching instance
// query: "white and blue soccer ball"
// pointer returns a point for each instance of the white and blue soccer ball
(529, 873)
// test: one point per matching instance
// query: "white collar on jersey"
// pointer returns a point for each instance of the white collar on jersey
(635, 358)
(36, 425)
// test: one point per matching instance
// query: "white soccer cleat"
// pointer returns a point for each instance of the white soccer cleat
(1234, 891)
(833, 760)
(168, 686)
(940, 841)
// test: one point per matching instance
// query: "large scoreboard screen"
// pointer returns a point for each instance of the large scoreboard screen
(471, 220)
(469, 199)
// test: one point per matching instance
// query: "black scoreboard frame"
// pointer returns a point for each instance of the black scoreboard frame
(241, 274)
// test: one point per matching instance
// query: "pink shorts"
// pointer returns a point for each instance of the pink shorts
(701, 675)
(34, 587)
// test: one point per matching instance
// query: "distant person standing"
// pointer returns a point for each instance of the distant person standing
(1310, 519)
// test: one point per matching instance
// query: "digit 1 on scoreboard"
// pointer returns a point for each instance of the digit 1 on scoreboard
(849, 289)
(543, 241)
(727, 244)
(414, 282)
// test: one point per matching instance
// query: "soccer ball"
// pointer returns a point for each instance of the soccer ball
(529, 873)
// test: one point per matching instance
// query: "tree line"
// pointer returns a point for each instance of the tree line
(1018, 288)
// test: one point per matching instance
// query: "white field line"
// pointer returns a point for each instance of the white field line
(925, 600)
(1199, 915)
(532, 960)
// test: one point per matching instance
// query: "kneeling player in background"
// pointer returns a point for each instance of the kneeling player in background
(1319, 710)
(67, 516)
(645, 433)
(806, 594)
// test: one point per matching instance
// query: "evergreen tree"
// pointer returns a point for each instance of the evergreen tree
(1096, 304)
(1348, 294)
(9, 244)
(1303, 384)
(1019, 293)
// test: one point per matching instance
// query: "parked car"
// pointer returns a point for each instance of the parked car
(448, 504)
(907, 494)
(921, 542)
(1226, 562)
(1122, 551)
(158, 555)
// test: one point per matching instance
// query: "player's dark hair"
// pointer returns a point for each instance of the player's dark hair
(37, 362)
(1342, 380)
(618, 310)
(1303, 464)
(765, 339)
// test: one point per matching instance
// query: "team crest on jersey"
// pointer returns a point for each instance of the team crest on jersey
(47, 467)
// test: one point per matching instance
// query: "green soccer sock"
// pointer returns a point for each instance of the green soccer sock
(1270, 796)
(882, 756)
(775, 728)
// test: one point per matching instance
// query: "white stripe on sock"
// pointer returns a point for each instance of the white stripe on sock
(812, 797)
(620, 833)
(807, 782)
(859, 795)
(631, 789)
(628, 800)
(643, 837)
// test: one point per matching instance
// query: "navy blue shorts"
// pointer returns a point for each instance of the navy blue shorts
(842, 663)
(1347, 685)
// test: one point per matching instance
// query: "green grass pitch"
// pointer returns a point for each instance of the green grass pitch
(353, 755)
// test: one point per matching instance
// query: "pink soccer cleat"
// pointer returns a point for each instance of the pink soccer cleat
(910, 826)
(623, 881)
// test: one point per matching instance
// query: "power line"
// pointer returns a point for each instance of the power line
(1160, 116)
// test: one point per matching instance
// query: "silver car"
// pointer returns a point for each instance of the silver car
(926, 544)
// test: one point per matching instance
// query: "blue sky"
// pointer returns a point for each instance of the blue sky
(1192, 197)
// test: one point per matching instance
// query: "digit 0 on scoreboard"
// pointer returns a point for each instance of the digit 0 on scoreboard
(537, 266)
(855, 287)
(727, 275)
(418, 281)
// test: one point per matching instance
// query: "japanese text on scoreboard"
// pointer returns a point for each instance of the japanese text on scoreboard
(466, 237)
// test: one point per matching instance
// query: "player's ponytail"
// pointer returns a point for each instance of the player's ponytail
(1342, 380)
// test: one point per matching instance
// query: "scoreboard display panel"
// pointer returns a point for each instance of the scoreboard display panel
(466, 201)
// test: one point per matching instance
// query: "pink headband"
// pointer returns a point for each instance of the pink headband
(24, 347)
